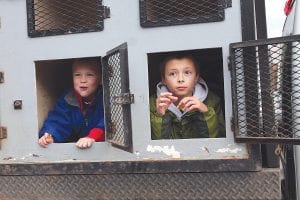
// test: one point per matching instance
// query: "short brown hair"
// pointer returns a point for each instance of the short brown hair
(178, 56)
(92, 61)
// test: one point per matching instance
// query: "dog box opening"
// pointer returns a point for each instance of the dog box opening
(70, 99)
(186, 92)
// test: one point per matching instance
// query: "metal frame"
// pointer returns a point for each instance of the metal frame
(254, 43)
(261, 185)
(179, 21)
(103, 13)
(123, 104)
(251, 163)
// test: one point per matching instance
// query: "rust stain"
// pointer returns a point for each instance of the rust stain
(8, 158)
(232, 157)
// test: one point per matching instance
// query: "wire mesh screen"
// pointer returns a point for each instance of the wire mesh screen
(56, 17)
(117, 107)
(175, 12)
(266, 92)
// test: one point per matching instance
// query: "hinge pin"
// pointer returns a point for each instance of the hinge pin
(3, 132)
(1, 77)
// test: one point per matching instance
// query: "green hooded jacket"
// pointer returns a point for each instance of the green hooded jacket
(192, 124)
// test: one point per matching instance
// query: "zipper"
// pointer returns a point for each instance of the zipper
(86, 122)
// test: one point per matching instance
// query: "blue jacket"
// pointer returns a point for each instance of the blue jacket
(66, 122)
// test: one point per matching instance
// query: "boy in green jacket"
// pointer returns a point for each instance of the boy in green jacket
(183, 106)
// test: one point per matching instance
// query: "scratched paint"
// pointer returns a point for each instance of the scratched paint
(228, 150)
(168, 150)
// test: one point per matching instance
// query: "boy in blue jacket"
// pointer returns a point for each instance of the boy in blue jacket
(78, 115)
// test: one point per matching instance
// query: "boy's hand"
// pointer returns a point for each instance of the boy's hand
(192, 103)
(163, 101)
(45, 140)
(84, 143)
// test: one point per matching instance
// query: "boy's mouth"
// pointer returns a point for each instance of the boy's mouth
(83, 88)
(181, 88)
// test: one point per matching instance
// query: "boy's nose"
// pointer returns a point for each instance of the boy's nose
(180, 78)
(83, 79)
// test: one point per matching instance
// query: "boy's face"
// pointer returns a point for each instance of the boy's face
(180, 77)
(86, 79)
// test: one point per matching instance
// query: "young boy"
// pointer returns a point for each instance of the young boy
(183, 106)
(78, 115)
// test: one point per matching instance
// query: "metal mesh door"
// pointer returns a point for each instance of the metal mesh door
(57, 17)
(117, 98)
(266, 90)
(174, 12)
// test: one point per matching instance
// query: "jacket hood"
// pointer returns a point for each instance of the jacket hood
(74, 99)
(200, 91)
(71, 98)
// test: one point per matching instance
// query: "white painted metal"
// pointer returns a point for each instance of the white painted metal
(18, 53)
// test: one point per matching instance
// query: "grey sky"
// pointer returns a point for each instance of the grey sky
(275, 17)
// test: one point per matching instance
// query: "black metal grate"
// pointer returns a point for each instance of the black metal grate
(266, 92)
(57, 17)
(174, 12)
(117, 110)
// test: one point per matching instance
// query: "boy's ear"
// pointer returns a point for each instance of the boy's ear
(197, 78)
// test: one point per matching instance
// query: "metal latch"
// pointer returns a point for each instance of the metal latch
(124, 98)
(3, 132)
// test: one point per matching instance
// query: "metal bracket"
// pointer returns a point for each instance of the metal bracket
(227, 3)
(3, 132)
(1, 77)
(229, 63)
(18, 104)
(106, 12)
(232, 125)
(124, 98)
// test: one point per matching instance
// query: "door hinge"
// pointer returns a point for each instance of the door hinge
(227, 3)
(124, 98)
(3, 132)
(106, 12)
(1, 77)
(229, 63)
(232, 125)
